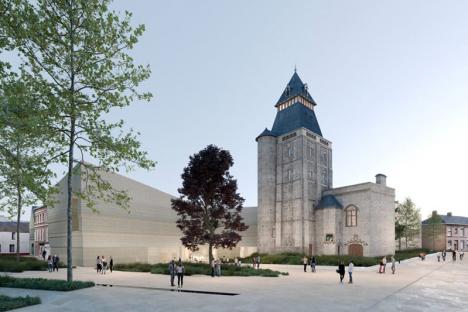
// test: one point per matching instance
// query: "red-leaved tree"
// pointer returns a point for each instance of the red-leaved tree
(209, 207)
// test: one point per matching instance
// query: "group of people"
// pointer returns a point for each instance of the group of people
(341, 271)
(383, 265)
(215, 267)
(256, 262)
(102, 265)
(53, 263)
(179, 270)
(443, 255)
(312, 263)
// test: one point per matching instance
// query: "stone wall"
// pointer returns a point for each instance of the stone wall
(375, 229)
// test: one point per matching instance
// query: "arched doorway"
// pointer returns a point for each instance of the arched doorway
(355, 250)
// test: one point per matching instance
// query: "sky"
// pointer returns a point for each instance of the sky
(390, 79)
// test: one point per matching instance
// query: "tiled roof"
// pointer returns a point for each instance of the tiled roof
(450, 220)
(295, 117)
(265, 132)
(10, 226)
(329, 201)
(294, 88)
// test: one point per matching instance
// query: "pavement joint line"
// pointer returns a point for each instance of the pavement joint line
(204, 292)
(402, 288)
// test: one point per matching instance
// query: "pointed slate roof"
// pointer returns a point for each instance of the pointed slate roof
(294, 88)
(329, 201)
(294, 117)
(265, 132)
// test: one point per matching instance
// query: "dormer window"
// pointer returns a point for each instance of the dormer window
(288, 90)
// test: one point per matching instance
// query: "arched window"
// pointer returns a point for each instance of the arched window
(351, 215)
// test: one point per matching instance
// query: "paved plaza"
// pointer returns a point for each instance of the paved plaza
(417, 286)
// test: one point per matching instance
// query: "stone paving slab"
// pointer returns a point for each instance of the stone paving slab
(417, 286)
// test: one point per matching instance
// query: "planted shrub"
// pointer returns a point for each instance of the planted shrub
(198, 269)
(10, 303)
(42, 283)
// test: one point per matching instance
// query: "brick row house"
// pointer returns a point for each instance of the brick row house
(450, 234)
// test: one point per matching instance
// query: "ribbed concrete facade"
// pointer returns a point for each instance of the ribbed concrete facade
(147, 232)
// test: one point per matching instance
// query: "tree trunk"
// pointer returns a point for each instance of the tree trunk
(69, 201)
(210, 252)
(399, 243)
(71, 145)
(18, 189)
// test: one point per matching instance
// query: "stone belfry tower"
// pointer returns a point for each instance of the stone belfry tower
(294, 167)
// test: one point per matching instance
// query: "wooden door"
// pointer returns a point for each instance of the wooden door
(355, 250)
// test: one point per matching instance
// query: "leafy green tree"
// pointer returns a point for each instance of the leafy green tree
(77, 51)
(407, 220)
(434, 221)
(24, 176)
(209, 207)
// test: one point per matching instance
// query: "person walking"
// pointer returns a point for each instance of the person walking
(213, 268)
(305, 261)
(444, 254)
(384, 264)
(180, 270)
(172, 271)
(393, 264)
(350, 271)
(98, 265)
(454, 255)
(111, 264)
(44, 253)
(341, 271)
(49, 263)
(462, 253)
(258, 262)
(313, 263)
(55, 262)
(218, 268)
(104, 265)
(254, 262)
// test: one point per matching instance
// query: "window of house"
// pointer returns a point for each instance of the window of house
(462, 245)
(449, 243)
(329, 237)
(13, 235)
(449, 231)
(462, 231)
(455, 231)
(351, 216)
(12, 248)
(289, 175)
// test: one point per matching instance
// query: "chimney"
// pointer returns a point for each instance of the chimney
(434, 213)
(381, 179)
(449, 214)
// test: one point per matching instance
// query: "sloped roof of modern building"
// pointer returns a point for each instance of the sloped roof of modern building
(10, 226)
(294, 88)
(450, 220)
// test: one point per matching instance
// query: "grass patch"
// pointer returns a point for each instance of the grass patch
(11, 303)
(198, 268)
(42, 283)
(9, 264)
